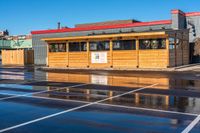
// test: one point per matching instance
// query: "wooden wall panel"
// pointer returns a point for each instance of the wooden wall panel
(153, 58)
(172, 57)
(179, 54)
(186, 57)
(13, 57)
(58, 59)
(125, 59)
(78, 59)
(29, 57)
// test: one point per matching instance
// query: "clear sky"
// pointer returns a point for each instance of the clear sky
(23, 16)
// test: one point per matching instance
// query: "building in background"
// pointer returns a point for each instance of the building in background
(179, 21)
(15, 42)
(16, 50)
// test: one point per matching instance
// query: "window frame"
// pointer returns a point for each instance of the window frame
(97, 45)
(56, 50)
(150, 45)
(80, 49)
(122, 44)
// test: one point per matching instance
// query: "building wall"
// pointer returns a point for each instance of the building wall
(178, 20)
(40, 47)
(196, 21)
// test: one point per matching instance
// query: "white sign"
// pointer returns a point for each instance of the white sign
(99, 57)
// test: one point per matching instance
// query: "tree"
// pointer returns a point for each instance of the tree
(197, 47)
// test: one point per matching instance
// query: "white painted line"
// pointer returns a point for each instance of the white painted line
(112, 105)
(69, 110)
(191, 125)
(28, 94)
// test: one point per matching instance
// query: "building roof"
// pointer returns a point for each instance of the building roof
(114, 24)
(135, 24)
(176, 11)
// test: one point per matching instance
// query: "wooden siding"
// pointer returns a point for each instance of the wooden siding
(125, 59)
(78, 59)
(59, 59)
(172, 57)
(17, 57)
(120, 59)
(153, 58)
(181, 57)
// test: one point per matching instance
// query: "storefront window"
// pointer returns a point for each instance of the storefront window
(152, 43)
(77, 46)
(99, 46)
(57, 47)
(124, 45)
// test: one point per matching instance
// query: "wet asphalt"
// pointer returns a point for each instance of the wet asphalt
(27, 94)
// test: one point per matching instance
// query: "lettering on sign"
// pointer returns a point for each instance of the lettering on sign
(99, 57)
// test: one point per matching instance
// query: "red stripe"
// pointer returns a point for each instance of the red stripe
(177, 12)
(192, 14)
(185, 14)
(137, 24)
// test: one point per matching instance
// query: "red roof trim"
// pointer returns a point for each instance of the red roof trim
(192, 14)
(137, 24)
(177, 12)
(185, 14)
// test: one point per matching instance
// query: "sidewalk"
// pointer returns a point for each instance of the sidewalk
(185, 68)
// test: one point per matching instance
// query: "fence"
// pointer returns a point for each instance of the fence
(17, 57)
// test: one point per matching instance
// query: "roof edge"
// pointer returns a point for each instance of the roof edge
(177, 11)
(136, 24)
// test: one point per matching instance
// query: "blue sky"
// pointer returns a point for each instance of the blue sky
(23, 16)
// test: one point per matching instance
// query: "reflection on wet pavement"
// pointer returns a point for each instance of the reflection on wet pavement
(173, 93)
(98, 118)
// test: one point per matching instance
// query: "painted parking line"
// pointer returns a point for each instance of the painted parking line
(111, 105)
(191, 125)
(28, 94)
(73, 109)
(120, 106)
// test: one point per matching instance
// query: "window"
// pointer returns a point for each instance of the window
(57, 47)
(77, 46)
(171, 43)
(124, 45)
(99, 46)
(152, 43)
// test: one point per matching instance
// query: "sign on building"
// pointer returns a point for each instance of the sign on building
(99, 57)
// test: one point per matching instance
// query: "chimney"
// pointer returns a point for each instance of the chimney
(58, 25)
(178, 19)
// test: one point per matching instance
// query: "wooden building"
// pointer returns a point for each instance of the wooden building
(153, 49)
(16, 50)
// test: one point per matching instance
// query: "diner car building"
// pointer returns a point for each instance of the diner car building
(119, 44)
